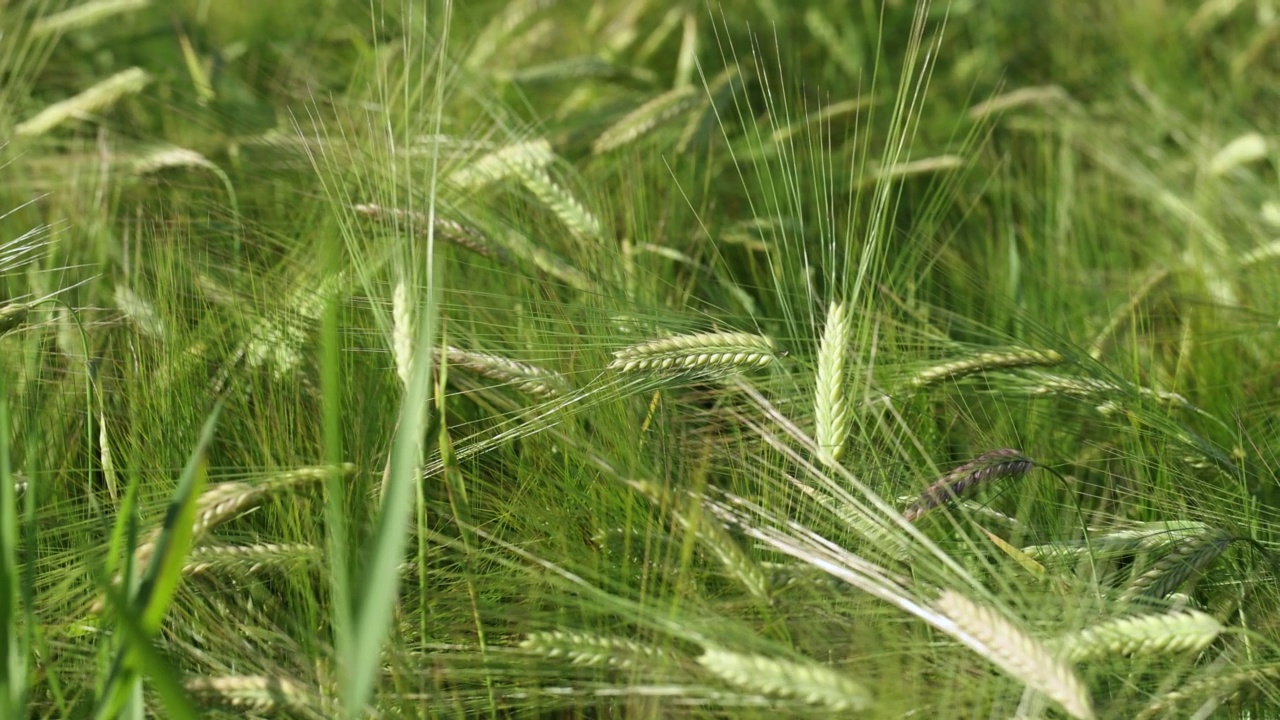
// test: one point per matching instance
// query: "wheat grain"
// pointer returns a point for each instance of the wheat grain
(645, 119)
(831, 406)
(528, 379)
(696, 352)
(807, 680)
(989, 466)
(102, 95)
(984, 362)
(1023, 657)
(587, 649)
(1175, 632)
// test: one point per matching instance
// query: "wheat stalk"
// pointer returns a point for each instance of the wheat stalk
(1181, 631)
(699, 351)
(528, 379)
(986, 467)
(644, 119)
(807, 680)
(1099, 345)
(1000, 641)
(102, 95)
(587, 649)
(984, 362)
(831, 406)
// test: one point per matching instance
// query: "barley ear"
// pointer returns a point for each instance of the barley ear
(402, 331)
(1181, 631)
(807, 680)
(699, 352)
(1024, 658)
(831, 406)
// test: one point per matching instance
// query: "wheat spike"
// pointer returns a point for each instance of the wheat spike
(1038, 96)
(464, 236)
(831, 406)
(645, 119)
(248, 559)
(402, 331)
(699, 351)
(141, 312)
(807, 680)
(587, 649)
(1222, 686)
(528, 379)
(503, 163)
(984, 362)
(12, 316)
(1023, 657)
(83, 15)
(988, 466)
(1188, 557)
(575, 216)
(251, 692)
(730, 554)
(1119, 317)
(1181, 631)
(102, 95)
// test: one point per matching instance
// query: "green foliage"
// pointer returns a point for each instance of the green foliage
(638, 359)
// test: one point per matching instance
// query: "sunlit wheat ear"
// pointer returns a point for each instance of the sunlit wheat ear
(1222, 687)
(989, 466)
(1248, 148)
(141, 313)
(1176, 632)
(575, 216)
(499, 28)
(831, 406)
(450, 231)
(12, 316)
(646, 118)
(503, 163)
(402, 331)
(249, 559)
(256, 693)
(1108, 395)
(923, 166)
(1023, 657)
(1038, 96)
(98, 97)
(528, 379)
(983, 362)
(807, 681)
(697, 352)
(587, 649)
(1190, 556)
(84, 15)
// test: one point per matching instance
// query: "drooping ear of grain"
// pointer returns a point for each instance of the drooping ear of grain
(645, 119)
(985, 468)
(100, 96)
(698, 352)
(1175, 632)
(1024, 658)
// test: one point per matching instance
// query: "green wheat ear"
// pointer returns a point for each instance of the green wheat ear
(831, 406)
